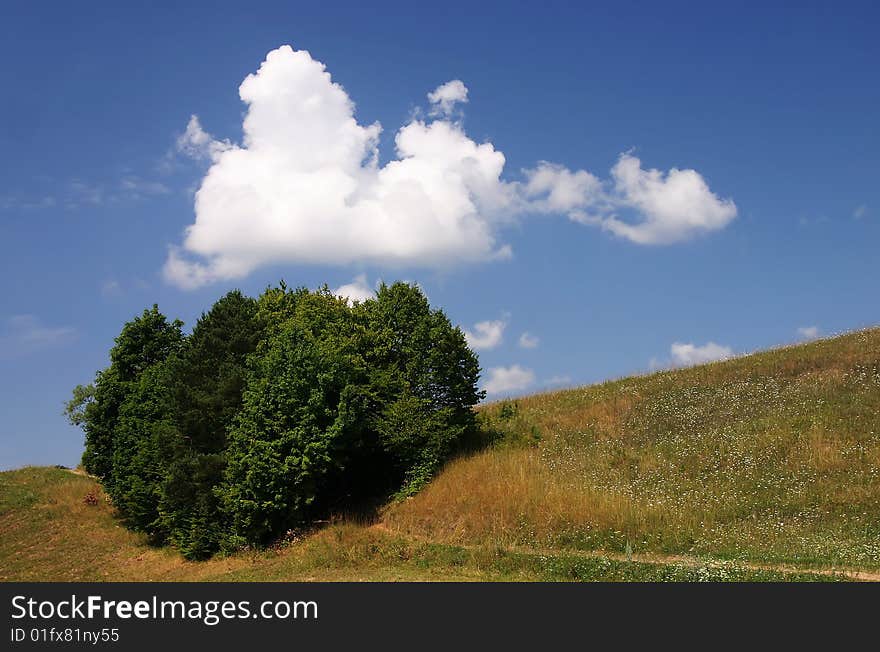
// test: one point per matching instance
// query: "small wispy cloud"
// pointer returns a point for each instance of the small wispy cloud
(813, 221)
(136, 188)
(16, 202)
(554, 381)
(25, 334)
(808, 332)
(860, 211)
(111, 288)
(197, 143)
(528, 341)
(78, 193)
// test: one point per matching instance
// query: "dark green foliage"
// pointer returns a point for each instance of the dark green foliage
(208, 381)
(188, 506)
(426, 378)
(146, 438)
(305, 402)
(274, 411)
(211, 374)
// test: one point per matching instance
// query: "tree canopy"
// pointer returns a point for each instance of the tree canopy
(273, 411)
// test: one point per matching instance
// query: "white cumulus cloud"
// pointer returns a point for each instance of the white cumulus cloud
(552, 188)
(685, 355)
(672, 207)
(508, 379)
(444, 98)
(305, 186)
(486, 334)
(357, 290)
(528, 341)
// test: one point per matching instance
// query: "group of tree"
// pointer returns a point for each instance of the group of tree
(274, 410)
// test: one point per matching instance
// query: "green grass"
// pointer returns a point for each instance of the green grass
(19, 490)
(761, 468)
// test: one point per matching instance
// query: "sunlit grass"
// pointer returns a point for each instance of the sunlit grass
(770, 457)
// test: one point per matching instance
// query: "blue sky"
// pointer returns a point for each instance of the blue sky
(776, 230)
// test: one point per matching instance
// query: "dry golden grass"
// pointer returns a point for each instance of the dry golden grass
(49, 533)
(517, 502)
(822, 451)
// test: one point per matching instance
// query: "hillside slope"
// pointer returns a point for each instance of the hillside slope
(757, 468)
(772, 457)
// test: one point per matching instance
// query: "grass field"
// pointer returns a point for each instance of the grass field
(773, 457)
(765, 467)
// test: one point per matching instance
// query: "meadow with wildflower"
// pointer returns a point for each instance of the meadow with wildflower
(771, 457)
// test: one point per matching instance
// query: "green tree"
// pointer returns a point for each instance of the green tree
(304, 404)
(208, 380)
(189, 509)
(274, 410)
(211, 373)
(426, 377)
(77, 408)
(145, 340)
(146, 440)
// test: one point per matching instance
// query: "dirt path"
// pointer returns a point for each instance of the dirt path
(696, 562)
(82, 472)
(660, 559)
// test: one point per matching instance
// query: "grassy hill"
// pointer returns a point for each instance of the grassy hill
(765, 467)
